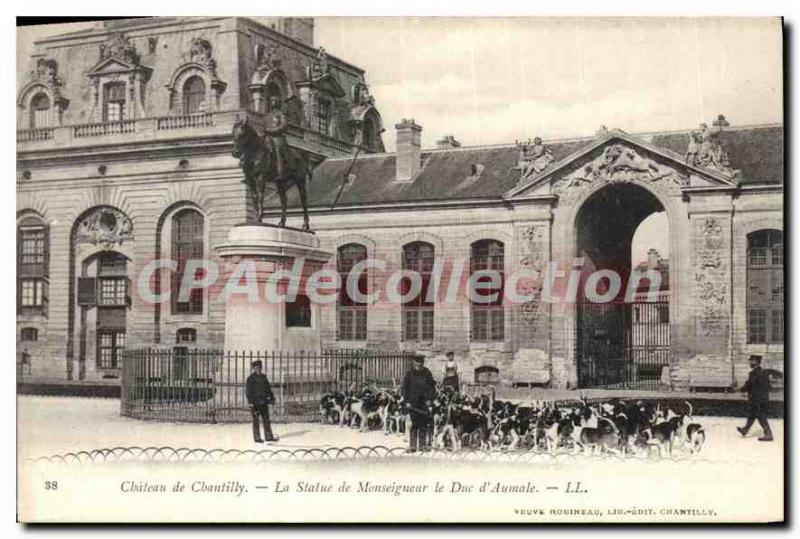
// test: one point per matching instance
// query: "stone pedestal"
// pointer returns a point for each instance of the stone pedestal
(260, 251)
(263, 258)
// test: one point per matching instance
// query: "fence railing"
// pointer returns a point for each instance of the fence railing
(208, 386)
(35, 135)
(104, 128)
(185, 121)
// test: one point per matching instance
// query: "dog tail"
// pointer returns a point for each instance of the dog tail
(607, 420)
(689, 404)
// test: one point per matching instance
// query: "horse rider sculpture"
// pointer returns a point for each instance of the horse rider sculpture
(267, 157)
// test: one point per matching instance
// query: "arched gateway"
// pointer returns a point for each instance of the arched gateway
(622, 310)
(618, 326)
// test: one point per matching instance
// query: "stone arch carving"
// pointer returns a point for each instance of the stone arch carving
(44, 79)
(106, 226)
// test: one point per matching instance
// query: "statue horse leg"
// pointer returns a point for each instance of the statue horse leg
(282, 195)
(301, 186)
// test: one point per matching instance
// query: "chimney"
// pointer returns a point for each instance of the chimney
(448, 142)
(652, 259)
(408, 150)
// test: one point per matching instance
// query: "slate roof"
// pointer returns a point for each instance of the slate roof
(446, 175)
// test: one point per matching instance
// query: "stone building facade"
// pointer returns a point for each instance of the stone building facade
(546, 203)
(124, 156)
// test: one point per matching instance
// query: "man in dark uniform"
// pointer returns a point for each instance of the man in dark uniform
(259, 397)
(757, 387)
(419, 390)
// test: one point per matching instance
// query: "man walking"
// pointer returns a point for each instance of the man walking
(419, 390)
(259, 397)
(757, 387)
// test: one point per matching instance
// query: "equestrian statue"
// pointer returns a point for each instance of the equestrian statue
(267, 157)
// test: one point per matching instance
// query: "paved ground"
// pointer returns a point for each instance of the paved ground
(55, 425)
(734, 479)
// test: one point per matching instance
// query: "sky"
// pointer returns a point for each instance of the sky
(496, 80)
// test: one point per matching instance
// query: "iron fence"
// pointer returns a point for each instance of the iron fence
(623, 345)
(208, 386)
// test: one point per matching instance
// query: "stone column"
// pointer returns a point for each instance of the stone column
(257, 325)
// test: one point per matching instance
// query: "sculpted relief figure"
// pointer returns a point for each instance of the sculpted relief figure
(119, 46)
(705, 149)
(618, 163)
(533, 157)
(321, 64)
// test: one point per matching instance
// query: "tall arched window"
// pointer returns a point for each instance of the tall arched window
(40, 111)
(765, 286)
(418, 309)
(114, 102)
(486, 257)
(187, 244)
(194, 95)
(32, 264)
(274, 92)
(352, 314)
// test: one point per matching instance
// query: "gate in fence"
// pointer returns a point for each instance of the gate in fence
(623, 345)
(208, 386)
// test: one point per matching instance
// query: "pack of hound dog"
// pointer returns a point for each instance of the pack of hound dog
(614, 426)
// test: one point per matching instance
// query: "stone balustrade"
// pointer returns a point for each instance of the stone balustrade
(166, 127)
(33, 135)
(185, 121)
(104, 128)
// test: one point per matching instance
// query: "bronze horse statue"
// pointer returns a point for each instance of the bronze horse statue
(259, 161)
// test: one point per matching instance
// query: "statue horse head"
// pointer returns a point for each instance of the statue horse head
(245, 140)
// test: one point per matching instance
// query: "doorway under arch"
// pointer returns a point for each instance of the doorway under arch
(622, 308)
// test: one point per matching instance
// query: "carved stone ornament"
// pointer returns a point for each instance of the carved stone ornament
(120, 47)
(706, 151)
(321, 65)
(619, 164)
(534, 157)
(106, 227)
(46, 72)
(534, 258)
(363, 103)
(710, 283)
(266, 59)
(711, 322)
(200, 51)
